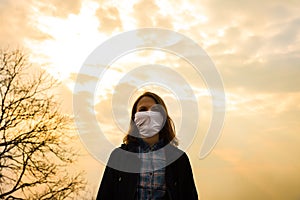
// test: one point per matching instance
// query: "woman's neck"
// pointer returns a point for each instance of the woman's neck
(152, 140)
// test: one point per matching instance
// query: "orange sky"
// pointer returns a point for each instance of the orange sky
(255, 46)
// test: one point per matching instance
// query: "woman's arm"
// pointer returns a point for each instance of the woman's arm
(105, 191)
(188, 188)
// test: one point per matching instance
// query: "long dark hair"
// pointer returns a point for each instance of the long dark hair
(167, 133)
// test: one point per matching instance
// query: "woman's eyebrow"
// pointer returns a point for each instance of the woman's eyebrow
(141, 107)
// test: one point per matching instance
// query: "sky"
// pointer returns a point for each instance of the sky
(254, 45)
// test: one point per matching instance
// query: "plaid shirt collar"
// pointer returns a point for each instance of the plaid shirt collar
(145, 147)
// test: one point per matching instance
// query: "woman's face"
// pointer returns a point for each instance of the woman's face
(145, 104)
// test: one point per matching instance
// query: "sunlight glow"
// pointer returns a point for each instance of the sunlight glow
(72, 39)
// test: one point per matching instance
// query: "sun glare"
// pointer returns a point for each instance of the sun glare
(70, 41)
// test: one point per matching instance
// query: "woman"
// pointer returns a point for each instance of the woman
(148, 165)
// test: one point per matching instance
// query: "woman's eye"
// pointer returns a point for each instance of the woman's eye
(142, 109)
(156, 108)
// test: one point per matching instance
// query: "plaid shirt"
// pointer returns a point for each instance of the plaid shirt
(151, 185)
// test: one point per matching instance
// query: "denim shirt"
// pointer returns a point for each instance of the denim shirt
(151, 184)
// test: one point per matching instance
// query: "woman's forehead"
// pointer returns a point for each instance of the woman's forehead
(146, 101)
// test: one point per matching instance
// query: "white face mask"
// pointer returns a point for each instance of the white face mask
(148, 123)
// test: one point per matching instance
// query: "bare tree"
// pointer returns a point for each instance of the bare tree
(34, 142)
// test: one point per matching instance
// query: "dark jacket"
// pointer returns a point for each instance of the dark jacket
(119, 182)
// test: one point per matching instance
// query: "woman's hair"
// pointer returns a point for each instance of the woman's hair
(167, 133)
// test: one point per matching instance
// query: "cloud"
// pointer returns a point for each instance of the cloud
(17, 23)
(82, 78)
(148, 14)
(244, 48)
(59, 8)
(109, 19)
(288, 34)
(19, 19)
(144, 13)
(272, 73)
(249, 13)
(258, 53)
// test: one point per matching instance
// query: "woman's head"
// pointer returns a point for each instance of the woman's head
(146, 102)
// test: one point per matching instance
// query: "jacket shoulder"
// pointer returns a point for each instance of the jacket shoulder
(173, 153)
(123, 160)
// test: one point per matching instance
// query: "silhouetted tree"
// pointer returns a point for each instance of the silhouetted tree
(34, 135)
